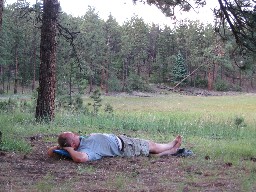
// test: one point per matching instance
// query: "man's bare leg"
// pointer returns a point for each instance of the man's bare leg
(157, 148)
(169, 152)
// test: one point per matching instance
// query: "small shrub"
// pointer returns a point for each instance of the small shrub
(221, 85)
(3, 105)
(136, 83)
(63, 101)
(236, 88)
(82, 84)
(114, 84)
(78, 103)
(96, 96)
(75, 104)
(179, 71)
(27, 106)
(239, 121)
(8, 106)
(108, 108)
(201, 83)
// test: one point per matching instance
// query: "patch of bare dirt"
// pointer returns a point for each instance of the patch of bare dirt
(38, 172)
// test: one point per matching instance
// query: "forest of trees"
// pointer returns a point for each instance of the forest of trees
(92, 53)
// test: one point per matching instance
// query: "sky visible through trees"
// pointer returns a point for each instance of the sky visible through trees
(125, 9)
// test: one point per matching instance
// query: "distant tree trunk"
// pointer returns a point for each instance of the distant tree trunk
(34, 61)
(70, 84)
(252, 80)
(103, 77)
(15, 89)
(149, 63)
(2, 75)
(124, 74)
(240, 77)
(34, 71)
(107, 77)
(91, 77)
(221, 72)
(138, 68)
(47, 71)
(210, 78)
(22, 86)
(91, 83)
(8, 87)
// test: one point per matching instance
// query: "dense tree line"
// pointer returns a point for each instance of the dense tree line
(238, 15)
(93, 52)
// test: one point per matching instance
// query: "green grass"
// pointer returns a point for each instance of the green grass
(217, 106)
(207, 124)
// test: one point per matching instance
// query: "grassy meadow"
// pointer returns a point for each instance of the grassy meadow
(219, 130)
(221, 127)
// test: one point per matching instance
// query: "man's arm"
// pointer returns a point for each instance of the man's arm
(78, 157)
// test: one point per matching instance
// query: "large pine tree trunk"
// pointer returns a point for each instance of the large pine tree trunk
(47, 71)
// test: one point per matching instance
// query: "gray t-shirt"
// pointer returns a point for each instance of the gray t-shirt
(97, 146)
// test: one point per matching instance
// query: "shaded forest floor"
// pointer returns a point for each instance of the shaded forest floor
(37, 172)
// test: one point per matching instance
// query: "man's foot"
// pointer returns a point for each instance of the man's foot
(177, 141)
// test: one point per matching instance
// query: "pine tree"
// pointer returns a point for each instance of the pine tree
(45, 109)
(97, 101)
(179, 69)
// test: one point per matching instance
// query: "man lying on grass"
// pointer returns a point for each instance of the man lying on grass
(96, 146)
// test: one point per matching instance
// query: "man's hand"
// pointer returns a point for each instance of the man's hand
(51, 149)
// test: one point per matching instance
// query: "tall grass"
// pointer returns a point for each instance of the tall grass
(208, 125)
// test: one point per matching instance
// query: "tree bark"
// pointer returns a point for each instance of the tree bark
(124, 74)
(34, 60)
(240, 77)
(91, 83)
(103, 77)
(8, 87)
(210, 78)
(70, 84)
(47, 70)
(15, 89)
(107, 76)
(2, 75)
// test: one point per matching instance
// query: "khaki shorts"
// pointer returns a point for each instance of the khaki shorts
(134, 146)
